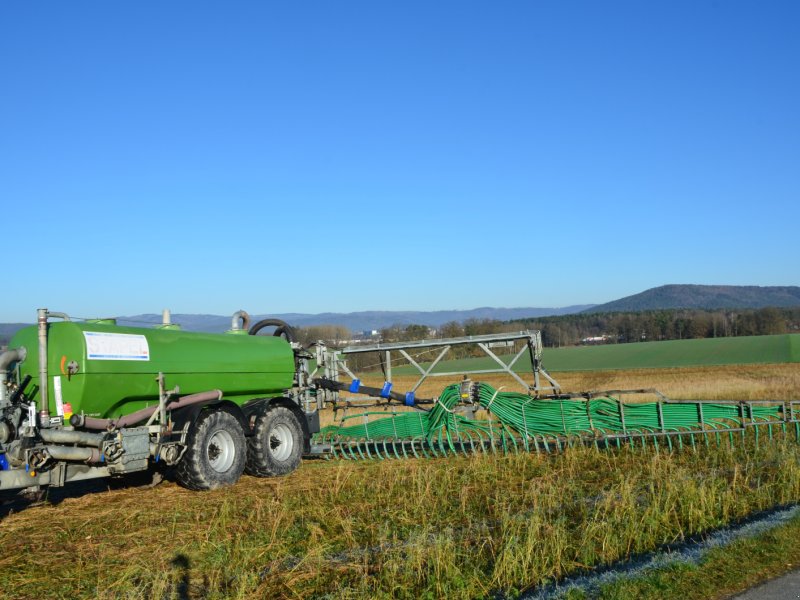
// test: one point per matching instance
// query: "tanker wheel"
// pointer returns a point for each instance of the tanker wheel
(215, 452)
(276, 445)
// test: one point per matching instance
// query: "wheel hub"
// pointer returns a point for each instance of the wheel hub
(281, 442)
(221, 451)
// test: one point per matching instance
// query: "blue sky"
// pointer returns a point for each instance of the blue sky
(343, 156)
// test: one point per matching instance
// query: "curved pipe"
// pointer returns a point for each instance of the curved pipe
(140, 415)
(240, 315)
(11, 356)
(8, 358)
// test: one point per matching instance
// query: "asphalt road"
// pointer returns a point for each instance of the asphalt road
(786, 587)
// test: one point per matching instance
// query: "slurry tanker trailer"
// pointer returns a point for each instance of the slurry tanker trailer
(87, 399)
(80, 400)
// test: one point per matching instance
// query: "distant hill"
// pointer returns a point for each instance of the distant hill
(356, 321)
(7, 330)
(360, 321)
(664, 297)
(704, 297)
(10, 328)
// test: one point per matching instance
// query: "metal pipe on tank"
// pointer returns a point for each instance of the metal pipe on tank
(64, 436)
(44, 406)
(245, 320)
(6, 360)
(87, 455)
(58, 315)
(140, 415)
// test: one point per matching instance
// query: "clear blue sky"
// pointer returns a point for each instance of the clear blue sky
(343, 156)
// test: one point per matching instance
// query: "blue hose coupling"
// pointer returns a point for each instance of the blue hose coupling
(354, 386)
(387, 388)
(410, 400)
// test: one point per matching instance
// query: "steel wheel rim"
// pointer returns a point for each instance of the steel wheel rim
(221, 451)
(281, 441)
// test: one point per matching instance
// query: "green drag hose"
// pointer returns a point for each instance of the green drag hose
(519, 422)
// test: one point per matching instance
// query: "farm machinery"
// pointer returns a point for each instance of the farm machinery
(87, 399)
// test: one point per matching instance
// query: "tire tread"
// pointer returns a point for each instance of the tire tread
(189, 471)
(259, 461)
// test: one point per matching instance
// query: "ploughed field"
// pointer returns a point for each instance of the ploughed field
(460, 527)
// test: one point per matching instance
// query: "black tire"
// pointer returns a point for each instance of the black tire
(276, 446)
(215, 453)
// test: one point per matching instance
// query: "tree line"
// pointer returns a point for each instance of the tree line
(657, 325)
(570, 330)
(614, 328)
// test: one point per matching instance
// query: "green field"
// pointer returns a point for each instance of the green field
(649, 355)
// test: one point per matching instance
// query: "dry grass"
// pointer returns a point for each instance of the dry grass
(733, 382)
(461, 528)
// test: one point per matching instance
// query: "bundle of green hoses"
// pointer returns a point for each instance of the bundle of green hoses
(515, 418)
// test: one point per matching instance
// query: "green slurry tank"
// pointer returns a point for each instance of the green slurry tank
(89, 399)
(109, 371)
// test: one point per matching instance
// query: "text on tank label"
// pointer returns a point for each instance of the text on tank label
(116, 346)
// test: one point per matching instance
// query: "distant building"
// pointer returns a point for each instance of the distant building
(600, 339)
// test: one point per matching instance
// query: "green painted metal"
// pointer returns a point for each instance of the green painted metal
(518, 422)
(243, 367)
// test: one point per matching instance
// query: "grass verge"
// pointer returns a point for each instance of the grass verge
(723, 571)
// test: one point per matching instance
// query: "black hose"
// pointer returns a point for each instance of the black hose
(20, 390)
(340, 386)
(283, 329)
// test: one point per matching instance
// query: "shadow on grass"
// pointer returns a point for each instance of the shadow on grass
(182, 566)
(186, 585)
(15, 501)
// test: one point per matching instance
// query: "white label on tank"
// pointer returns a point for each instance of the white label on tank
(59, 396)
(116, 346)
